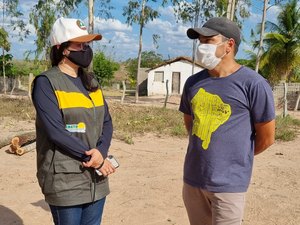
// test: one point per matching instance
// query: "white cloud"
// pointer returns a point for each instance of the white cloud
(26, 5)
(273, 13)
(166, 12)
(120, 41)
(254, 18)
(110, 25)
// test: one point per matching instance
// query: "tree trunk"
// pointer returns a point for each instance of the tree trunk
(262, 31)
(91, 27)
(140, 52)
(3, 57)
(196, 24)
(14, 86)
(232, 11)
(3, 71)
(228, 12)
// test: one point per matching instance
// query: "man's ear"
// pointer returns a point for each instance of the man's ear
(231, 44)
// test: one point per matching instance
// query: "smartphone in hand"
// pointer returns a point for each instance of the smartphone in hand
(113, 161)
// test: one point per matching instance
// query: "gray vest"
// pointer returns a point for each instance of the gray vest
(62, 178)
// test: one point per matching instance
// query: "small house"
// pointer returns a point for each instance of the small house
(170, 76)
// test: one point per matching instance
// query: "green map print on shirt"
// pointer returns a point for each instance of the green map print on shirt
(210, 112)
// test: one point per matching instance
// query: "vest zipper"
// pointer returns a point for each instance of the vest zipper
(94, 173)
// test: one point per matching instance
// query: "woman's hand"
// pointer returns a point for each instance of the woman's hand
(107, 168)
(96, 158)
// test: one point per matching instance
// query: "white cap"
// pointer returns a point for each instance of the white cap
(66, 29)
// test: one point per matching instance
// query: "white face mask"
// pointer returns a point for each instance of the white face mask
(206, 55)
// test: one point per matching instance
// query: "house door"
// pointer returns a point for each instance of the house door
(176, 83)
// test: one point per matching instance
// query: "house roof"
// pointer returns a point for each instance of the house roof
(180, 58)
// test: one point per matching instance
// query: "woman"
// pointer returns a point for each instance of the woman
(73, 129)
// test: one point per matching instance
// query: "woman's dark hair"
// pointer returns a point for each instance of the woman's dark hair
(56, 55)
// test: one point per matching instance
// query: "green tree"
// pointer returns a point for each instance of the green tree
(197, 12)
(6, 61)
(282, 42)
(149, 59)
(25, 67)
(5, 45)
(140, 12)
(104, 68)
(247, 62)
(42, 17)
(281, 53)
(261, 30)
(234, 9)
(45, 12)
(10, 10)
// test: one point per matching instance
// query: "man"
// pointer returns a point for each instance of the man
(229, 115)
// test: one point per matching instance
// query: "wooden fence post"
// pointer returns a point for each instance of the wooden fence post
(167, 95)
(30, 79)
(124, 90)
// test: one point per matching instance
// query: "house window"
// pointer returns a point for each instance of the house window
(159, 76)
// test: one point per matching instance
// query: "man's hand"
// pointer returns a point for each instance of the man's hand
(188, 122)
(264, 136)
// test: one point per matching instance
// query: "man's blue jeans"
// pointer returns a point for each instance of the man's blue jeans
(86, 214)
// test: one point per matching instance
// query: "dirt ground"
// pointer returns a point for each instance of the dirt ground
(146, 189)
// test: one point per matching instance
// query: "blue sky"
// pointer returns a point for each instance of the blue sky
(120, 41)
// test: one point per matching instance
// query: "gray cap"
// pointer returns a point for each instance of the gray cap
(215, 26)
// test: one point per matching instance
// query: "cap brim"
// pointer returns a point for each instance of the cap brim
(193, 33)
(87, 38)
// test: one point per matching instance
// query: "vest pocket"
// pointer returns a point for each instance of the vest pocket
(65, 164)
(70, 166)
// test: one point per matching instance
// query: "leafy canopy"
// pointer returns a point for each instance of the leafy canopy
(281, 50)
(149, 59)
(104, 68)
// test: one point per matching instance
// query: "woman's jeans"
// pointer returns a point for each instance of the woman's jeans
(86, 214)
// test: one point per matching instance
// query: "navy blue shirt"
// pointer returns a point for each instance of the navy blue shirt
(46, 105)
(224, 110)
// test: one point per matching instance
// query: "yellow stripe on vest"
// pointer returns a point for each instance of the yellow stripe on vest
(79, 100)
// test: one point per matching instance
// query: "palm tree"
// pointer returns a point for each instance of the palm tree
(282, 44)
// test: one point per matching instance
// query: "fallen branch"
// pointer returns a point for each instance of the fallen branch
(22, 150)
(22, 144)
(24, 139)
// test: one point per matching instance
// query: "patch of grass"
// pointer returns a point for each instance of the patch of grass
(112, 93)
(20, 109)
(286, 128)
(285, 135)
(127, 138)
(133, 119)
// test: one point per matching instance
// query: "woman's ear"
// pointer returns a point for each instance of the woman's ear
(57, 46)
(66, 52)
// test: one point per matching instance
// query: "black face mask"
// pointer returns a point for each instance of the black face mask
(81, 58)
